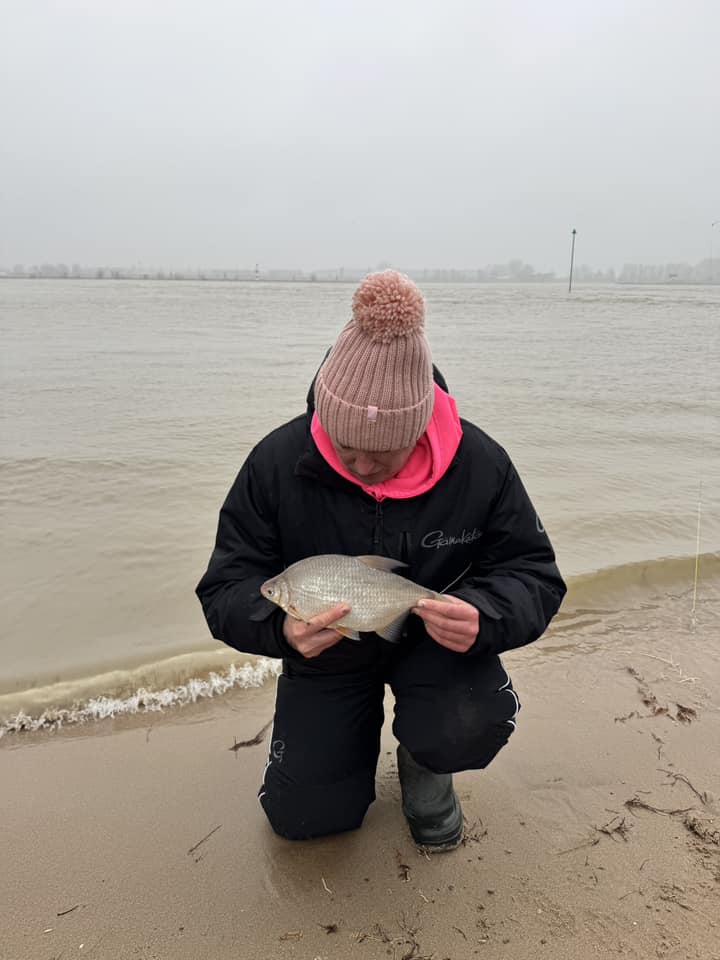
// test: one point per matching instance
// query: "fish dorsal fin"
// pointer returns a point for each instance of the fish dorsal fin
(381, 563)
(393, 631)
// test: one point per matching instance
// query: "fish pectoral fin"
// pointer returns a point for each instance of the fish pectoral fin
(350, 634)
(381, 563)
(393, 631)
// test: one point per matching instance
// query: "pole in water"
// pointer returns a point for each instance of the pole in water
(572, 260)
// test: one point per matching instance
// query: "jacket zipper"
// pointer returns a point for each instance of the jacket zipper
(405, 546)
(378, 531)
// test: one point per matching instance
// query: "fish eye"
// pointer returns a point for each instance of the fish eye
(270, 591)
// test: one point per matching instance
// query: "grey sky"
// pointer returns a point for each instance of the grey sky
(337, 132)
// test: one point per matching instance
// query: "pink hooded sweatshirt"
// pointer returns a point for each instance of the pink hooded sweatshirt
(428, 462)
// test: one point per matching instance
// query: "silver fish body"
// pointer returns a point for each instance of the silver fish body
(378, 599)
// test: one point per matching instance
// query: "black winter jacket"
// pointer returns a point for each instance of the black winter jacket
(475, 534)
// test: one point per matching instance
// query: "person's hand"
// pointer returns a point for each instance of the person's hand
(311, 638)
(453, 623)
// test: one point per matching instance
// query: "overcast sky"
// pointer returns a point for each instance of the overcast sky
(334, 132)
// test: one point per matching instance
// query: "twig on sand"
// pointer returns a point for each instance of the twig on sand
(327, 888)
(258, 738)
(635, 803)
(591, 842)
(647, 696)
(634, 890)
(620, 829)
(378, 933)
(651, 656)
(291, 935)
(64, 913)
(403, 947)
(675, 666)
(685, 714)
(410, 940)
(206, 837)
(702, 797)
(403, 868)
(691, 821)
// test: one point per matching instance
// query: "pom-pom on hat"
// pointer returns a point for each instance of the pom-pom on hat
(375, 390)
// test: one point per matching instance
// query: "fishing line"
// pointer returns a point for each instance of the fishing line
(693, 618)
(703, 448)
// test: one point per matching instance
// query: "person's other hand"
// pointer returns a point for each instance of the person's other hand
(311, 638)
(453, 623)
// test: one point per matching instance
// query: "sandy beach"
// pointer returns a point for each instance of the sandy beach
(595, 833)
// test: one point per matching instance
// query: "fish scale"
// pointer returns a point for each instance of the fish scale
(377, 597)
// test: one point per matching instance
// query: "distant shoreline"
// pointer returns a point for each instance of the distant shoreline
(176, 277)
(677, 272)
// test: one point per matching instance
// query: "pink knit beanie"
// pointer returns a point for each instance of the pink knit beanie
(375, 390)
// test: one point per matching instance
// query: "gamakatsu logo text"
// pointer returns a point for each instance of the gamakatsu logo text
(436, 538)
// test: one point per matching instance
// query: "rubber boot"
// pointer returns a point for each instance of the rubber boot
(430, 805)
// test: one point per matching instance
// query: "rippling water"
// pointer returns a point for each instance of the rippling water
(128, 408)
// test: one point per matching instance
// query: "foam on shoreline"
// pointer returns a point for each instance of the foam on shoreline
(252, 674)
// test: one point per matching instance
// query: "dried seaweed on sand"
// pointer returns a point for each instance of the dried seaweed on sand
(258, 738)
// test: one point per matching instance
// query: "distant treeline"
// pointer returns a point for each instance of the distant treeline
(514, 271)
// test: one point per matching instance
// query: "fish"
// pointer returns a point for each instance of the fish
(379, 599)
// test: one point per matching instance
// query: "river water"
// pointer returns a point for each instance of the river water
(128, 408)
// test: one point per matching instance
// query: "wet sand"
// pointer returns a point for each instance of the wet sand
(595, 833)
